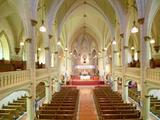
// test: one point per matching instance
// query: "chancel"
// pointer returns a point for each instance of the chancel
(80, 60)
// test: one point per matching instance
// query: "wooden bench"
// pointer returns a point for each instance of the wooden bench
(62, 107)
(110, 105)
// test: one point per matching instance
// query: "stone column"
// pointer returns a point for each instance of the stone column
(30, 111)
(138, 54)
(115, 85)
(124, 53)
(47, 91)
(138, 87)
(57, 86)
(66, 67)
(146, 107)
(125, 93)
(28, 52)
(100, 66)
(147, 46)
(32, 51)
(47, 57)
(143, 64)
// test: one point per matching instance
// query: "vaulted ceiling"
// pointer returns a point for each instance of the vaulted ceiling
(69, 19)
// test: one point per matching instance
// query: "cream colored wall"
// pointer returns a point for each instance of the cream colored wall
(4, 26)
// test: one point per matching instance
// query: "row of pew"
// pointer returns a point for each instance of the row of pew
(155, 106)
(13, 110)
(110, 105)
(134, 94)
(64, 106)
(154, 102)
(12, 65)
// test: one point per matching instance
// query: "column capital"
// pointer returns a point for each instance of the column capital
(138, 51)
(50, 36)
(56, 52)
(28, 40)
(115, 51)
(141, 21)
(29, 97)
(147, 38)
(122, 35)
(125, 47)
(17, 49)
(147, 96)
(33, 22)
(46, 48)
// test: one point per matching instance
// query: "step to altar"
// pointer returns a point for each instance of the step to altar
(86, 82)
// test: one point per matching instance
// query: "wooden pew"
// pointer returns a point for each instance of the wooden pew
(110, 105)
(63, 106)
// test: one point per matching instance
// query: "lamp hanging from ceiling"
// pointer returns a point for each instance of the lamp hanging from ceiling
(114, 42)
(134, 27)
(152, 41)
(132, 48)
(58, 43)
(42, 27)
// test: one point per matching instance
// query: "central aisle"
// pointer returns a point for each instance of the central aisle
(87, 108)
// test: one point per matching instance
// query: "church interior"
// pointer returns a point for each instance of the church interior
(79, 60)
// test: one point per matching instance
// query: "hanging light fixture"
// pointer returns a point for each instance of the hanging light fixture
(42, 27)
(152, 41)
(39, 49)
(71, 53)
(132, 48)
(105, 49)
(134, 28)
(21, 43)
(66, 49)
(59, 43)
(114, 42)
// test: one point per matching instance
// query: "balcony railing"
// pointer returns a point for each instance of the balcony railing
(118, 70)
(132, 72)
(11, 79)
(153, 75)
(42, 73)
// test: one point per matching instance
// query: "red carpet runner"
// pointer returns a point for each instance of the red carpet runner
(87, 108)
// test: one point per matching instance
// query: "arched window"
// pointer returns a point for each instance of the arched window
(4, 47)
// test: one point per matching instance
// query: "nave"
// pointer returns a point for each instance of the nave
(81, 103)
(46, 45)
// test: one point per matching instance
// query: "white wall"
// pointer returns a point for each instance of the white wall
(12, 97)
(155, 93)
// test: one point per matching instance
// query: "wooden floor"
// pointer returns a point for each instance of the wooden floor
(87, 108)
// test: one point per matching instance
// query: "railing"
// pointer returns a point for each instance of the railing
(10, 79)
(53, 70)
(153, 74)
(118, 69)
(132, 72)
(41, 73)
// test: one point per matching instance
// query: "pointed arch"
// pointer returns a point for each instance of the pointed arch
(4, 47)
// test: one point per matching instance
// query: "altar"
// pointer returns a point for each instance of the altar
(85, 77)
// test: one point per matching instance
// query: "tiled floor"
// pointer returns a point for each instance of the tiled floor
(87, 109)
